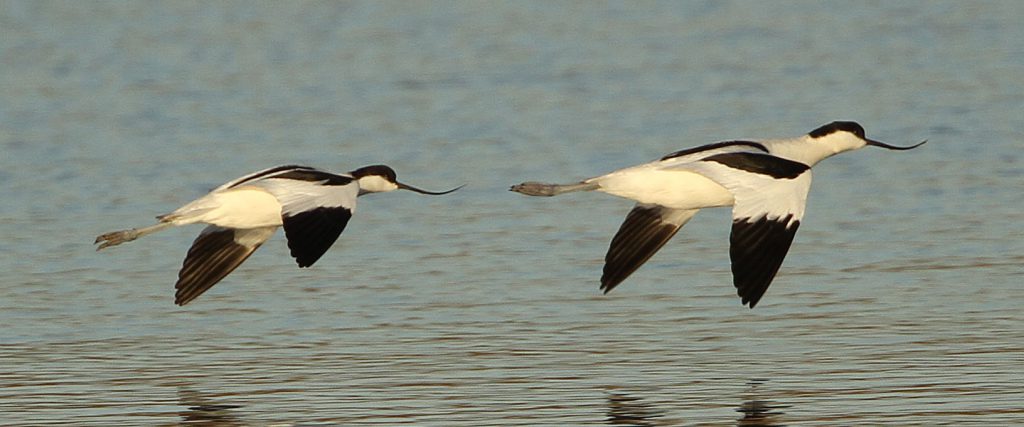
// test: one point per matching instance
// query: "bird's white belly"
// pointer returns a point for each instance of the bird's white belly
(243, 207)
(674, 189)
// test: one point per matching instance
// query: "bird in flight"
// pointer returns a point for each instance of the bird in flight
(766, 183)
(312, 205)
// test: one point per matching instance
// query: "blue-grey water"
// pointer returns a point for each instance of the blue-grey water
(899, 303)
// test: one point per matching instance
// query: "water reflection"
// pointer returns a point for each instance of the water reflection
(759, 412)
(626, 410)
(203, 411)
(917, 323)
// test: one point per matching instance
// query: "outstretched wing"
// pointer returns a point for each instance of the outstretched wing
(770, 196)
(646, 229)
(311, 233)
(315, 208)
(213, 255)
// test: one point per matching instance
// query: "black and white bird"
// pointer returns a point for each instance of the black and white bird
(766, 182)
(313, 206)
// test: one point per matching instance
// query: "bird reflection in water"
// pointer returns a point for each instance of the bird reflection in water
(626, 410)
(759, 412)
(201, 411)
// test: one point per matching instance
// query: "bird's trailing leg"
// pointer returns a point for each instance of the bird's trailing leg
(547, 190)
(115, 238)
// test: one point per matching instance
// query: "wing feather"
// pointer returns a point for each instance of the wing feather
(645, 230)
(311, 233)
(770, 197)
(315, 208)
(757, 249)
(214, 254)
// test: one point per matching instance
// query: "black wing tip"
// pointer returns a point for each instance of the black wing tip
(644, 231)
(607, 286)
(306, 263)
(186, 295)
(757, 249)
(751, 293)
(311, 233)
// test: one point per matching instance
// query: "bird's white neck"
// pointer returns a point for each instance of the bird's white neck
(810, 151)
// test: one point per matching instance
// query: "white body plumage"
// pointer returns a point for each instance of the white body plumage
(766, 182)
(312, 205)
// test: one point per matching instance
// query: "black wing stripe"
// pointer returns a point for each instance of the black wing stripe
(311, 233)
(313, 175)
(755, 145)
(757, 249)
(261, 174)
(639, 237)
(213, 256)
(764, 164)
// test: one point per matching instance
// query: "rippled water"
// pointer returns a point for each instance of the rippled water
(899, 302)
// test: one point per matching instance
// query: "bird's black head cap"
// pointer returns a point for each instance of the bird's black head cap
(852, 127)
(382, 171)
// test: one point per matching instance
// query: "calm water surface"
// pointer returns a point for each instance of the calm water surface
(899, 302)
